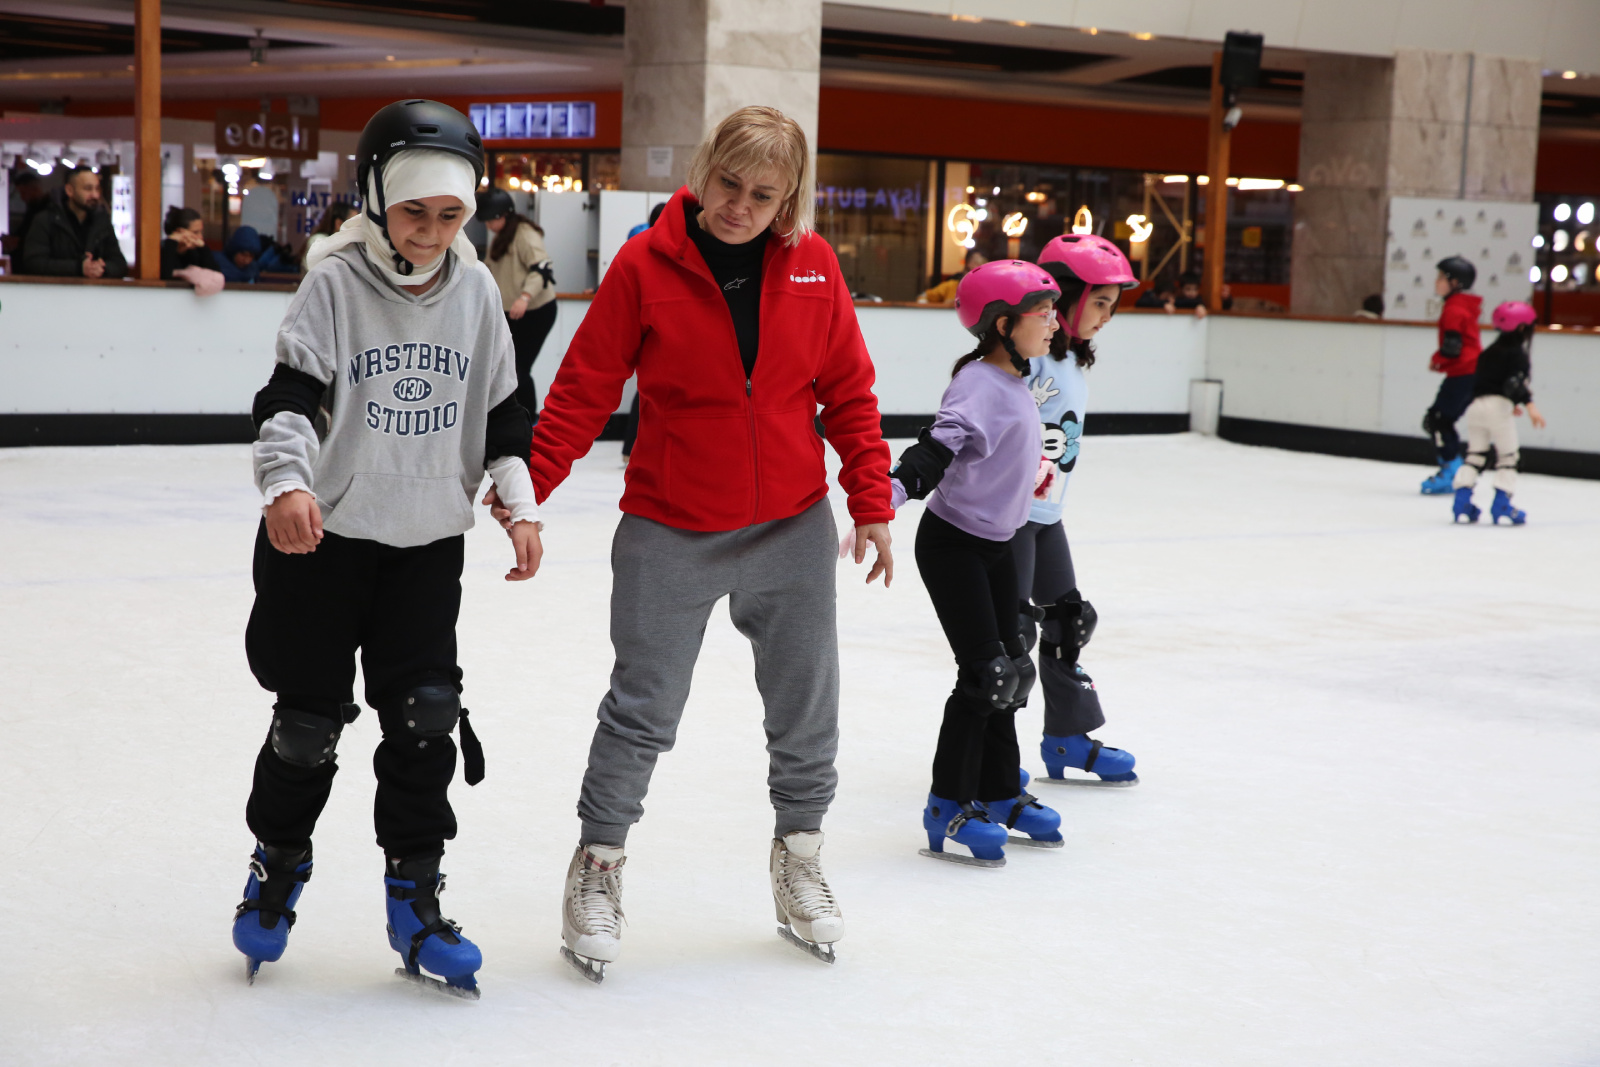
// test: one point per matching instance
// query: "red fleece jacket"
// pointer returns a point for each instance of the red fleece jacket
(715, 451)
(1459, 316)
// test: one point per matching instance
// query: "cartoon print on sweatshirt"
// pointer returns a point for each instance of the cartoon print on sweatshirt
(1060, 438)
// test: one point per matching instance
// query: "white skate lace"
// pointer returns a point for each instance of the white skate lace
(597, 899)
(804, 884)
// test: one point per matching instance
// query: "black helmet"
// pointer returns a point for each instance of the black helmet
(412, 124)
(495, 204)
(1459, 270)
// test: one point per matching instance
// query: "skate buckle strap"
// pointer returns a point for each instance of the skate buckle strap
(247, 906)
(1051, 649)
(967, 813)
(260, 870)
(438, 926)
(1094, 754)
(408, 893)
(1022, 802)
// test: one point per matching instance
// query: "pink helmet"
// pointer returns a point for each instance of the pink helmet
(1086, 258)
(1513, 313)
(1001, 287)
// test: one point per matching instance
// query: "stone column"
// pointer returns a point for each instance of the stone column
(688, 63)
(1437, 124)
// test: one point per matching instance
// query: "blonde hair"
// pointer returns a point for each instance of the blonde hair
(750, 139)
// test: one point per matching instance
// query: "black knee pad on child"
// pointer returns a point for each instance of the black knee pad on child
(1075, 620)
(431, 710)
(991, 684)
(303, 738)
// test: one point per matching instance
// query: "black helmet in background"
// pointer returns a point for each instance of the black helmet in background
(411, 124)
(1458, 270)
(495, 204)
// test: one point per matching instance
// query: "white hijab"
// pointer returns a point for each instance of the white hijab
(410, 174)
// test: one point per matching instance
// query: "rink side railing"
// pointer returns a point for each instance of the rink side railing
(126, 362)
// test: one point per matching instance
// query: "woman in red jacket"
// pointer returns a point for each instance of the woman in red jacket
(734, 316)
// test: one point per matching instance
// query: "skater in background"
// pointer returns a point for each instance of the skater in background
(726, 497)
(1500, 390)
(394, 391)
(1092, 273)
(1456, 359)
(977, 466)
(527, 284)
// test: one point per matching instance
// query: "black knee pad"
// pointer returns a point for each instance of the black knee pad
(1076, 619)
(1027, 674)
(303, 738)
(1029, 616)
(431, 711)
(1434, 422)
(991, 684)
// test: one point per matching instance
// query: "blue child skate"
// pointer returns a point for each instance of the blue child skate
(1502, 509)
(1113, 766)
(966, 824)
(1024, 813)
(262, 920)
(1443, 481)
(1464, 508)
(424, 939)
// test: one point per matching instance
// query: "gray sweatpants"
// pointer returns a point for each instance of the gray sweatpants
(779, 578)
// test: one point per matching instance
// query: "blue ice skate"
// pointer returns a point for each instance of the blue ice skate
(1026, 815)
(1443, 481)
(966, 824)
(1502, 509)
(1464, 508)
(262, 920)
(1113, 766)
(424, 939)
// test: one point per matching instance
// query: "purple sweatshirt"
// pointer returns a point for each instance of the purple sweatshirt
(988, 418)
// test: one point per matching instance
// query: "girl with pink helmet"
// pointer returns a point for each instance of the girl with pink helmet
(976, 467)
(1499, 393)
(1092, 273)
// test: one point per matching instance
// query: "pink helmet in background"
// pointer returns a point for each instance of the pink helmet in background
(1087, 258)
(1512, 314)
(1000, 287)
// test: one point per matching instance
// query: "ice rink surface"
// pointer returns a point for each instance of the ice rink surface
(1368, 830)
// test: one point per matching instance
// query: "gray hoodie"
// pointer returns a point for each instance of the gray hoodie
(410, 381)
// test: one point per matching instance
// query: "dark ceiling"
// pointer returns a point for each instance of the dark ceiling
(936, 52)
(35, 37)
(1200, 78)
(568, 16)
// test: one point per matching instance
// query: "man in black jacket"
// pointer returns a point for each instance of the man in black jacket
(72, 238)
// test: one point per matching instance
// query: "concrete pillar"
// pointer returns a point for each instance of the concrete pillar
(1437, 124)
(688, 63)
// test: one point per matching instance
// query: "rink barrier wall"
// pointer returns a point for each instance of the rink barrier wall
(96, 362)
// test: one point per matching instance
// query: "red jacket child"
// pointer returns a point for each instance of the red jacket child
(1458, 335)
(716, 451)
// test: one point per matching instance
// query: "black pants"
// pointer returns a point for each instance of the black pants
(527, 336)
(312, 612)
(1455, 394)
(1044, 572)
(973, 585)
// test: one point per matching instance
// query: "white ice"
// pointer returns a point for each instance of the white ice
(1367, 831)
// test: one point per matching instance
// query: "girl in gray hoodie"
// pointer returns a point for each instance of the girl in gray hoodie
(393, 393)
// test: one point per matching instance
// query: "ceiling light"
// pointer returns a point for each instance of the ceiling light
(389, 58)
(1091, 31)
(1231, 181)
(1258, 184)
(1569, 74)
(1558, 241)
(1586, 212)
(1204, 179)
(1534, 275)
(1295, 187)
(1142, 36)
(1538, 240)
(1563, 212)
(1558, 273)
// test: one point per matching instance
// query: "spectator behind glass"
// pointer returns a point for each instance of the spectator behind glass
(1371, 307)
(245, 256)
(185, 242)
(73, 238)
(333, 216)
(31, 192)
(1157, 296)
(945, 291)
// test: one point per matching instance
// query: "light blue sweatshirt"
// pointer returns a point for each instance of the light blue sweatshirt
(1062, 392)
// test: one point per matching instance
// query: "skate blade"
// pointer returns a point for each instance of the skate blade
(1092, 783)
(426, 982)
(968, 861)
(824, 953)
(251, 966)
(594, 970)
(1034, 843)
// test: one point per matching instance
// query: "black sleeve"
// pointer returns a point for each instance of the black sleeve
(1517, 388)
(287, 390)
(508, 432)
(1450, 344)
(169, 259)
(922, 465)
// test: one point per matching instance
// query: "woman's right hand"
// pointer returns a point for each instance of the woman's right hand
(497, 510)
(519, 307)
(294, 523)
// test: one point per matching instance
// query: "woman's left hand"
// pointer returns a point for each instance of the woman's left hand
(878, 534)
(497, 510)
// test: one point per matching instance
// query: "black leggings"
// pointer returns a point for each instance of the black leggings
(399, 606)
(972, 582)
(1044, 573)
(1454, 396)
(527, 335)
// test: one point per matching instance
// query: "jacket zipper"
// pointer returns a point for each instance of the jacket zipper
(755, 452)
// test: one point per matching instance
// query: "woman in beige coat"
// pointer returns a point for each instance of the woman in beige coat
(520, 267)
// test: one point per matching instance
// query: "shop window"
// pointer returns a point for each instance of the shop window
(874, 212)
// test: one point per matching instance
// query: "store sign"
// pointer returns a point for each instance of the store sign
(122, 214)
(261, 133)
(898, 201)
(571, 120)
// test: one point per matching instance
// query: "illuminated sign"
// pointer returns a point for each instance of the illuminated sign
(571, 120)
(962, 222)
(898, 201)
(1141, 229)
(1014, 224)
(1083, 221)
(261, 133)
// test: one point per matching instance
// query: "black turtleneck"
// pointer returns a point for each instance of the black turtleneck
(737, 269)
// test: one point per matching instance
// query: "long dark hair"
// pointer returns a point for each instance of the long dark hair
(177, 218)
(1060, 344)
(991, 339)
(508, 233)
(334, 216)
